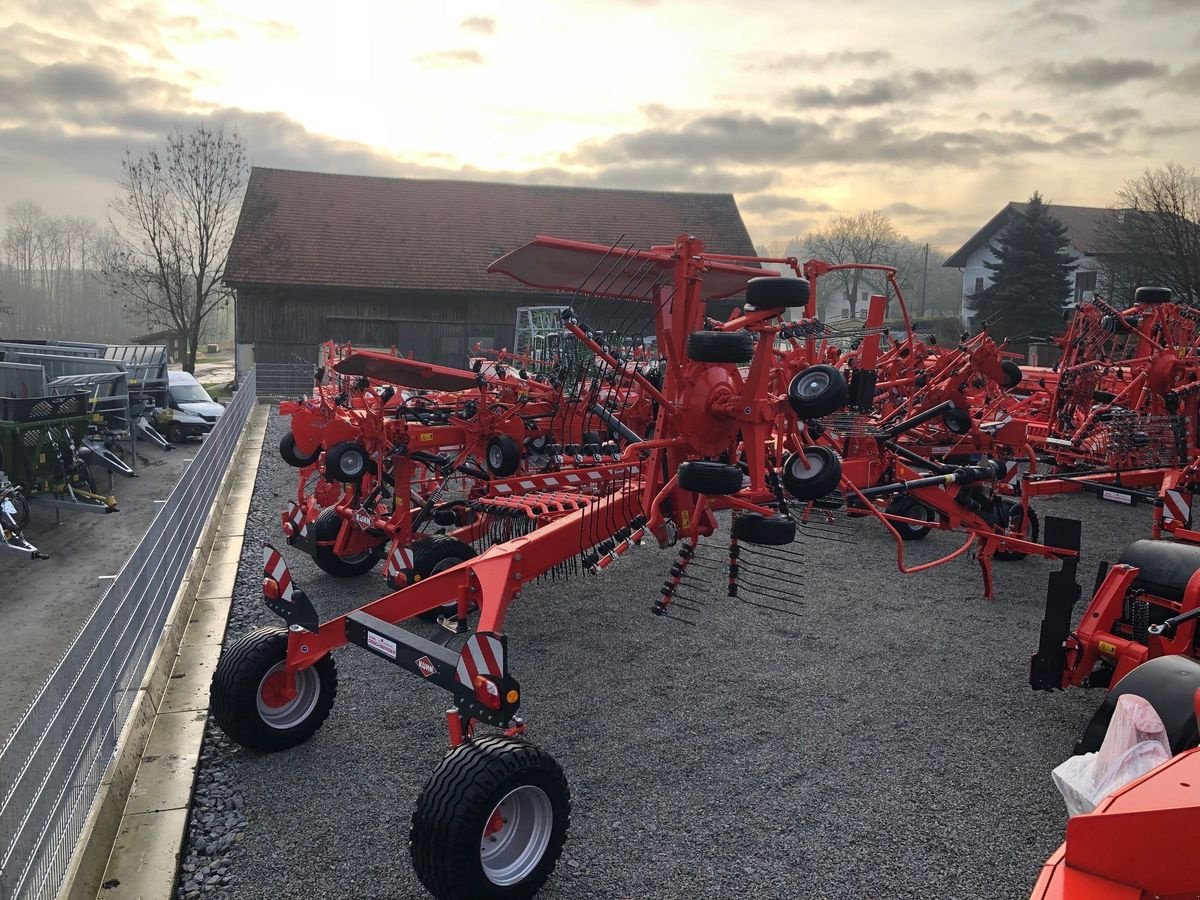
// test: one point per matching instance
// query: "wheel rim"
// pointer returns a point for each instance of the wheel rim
(496, 456)
(286, 699)
(448, 563)
(814, 385)
(351, 462)
(918, 512)
(802, 472)
(516, 835)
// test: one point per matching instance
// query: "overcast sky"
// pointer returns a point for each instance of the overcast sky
(935, 111)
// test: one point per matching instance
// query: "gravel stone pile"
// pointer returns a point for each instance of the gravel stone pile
(875, 738)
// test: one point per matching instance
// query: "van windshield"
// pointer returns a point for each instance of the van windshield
(189, 393)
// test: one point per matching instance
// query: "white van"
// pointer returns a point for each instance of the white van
(192, 413)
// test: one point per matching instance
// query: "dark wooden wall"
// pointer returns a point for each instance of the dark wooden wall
(287, 324)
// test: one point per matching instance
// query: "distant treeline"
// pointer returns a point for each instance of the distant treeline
(51, 285)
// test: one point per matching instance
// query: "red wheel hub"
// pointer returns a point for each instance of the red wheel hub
(495, 823)
(278, 689)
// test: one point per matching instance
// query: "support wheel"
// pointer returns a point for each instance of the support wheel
(346, 462)
(261, 705)
(287, 450)
(1012, 374)
(706, 477)
(909, 508)
(766, 531)
(326, 529)
(436, 554)
(503, 456)
(720, 346)
(813, 476)
(1018, 525)
(817, 391)
(175, 433)
(491, 821)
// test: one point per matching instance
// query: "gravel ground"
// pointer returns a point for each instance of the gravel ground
(881, 741)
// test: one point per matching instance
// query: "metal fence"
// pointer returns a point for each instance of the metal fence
(277, 380)
(52, 763)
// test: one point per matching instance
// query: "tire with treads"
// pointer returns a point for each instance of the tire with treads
(1170, 684)
(957, 421)
(287, 451)
(1152, 295)
(909, 508)
(503, 456)
(252, 710)
(436, 554)
(1012, 374)
(766, 531)
(814, 476)
(706, 477)
(772, 293)
(346, 462)
(1014, 519)
(325, 532)
(720, 346)
(453, 854)
(1164, 568)
(817, 391)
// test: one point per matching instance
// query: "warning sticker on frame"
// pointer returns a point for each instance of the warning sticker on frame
(1117, 498)
(380, 644)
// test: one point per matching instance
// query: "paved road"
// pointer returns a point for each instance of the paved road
(878, 741)
(43, 603)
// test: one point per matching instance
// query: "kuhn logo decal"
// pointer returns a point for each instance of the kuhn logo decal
(426, 666)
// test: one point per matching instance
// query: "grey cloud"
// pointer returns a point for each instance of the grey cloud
(901, 208)
(865, 92)
(1094, 73)
(1186, 80)
(1057, 21)
(1020, 117)
(730, 139)
(765, 203)
(1118, 114)
(820, 61)
(462, 57)
(479, 24)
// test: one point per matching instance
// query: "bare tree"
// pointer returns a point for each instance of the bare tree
(1155, 232)
(179, 209)
(866, 238)
(21, 239)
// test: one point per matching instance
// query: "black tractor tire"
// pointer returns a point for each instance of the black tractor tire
(720, 346)
(436, 554)
(957, 421)
(773, 293)
(503, 456)
(1170, 684)
(1012, 374)
(906, 506)
(1152, 295)
(346, 462)
(287, 450)
(706, 477)
(448, 841)
(246, 708)
(1013, 517)
(175, 433)
(766, 531)
(817, 391)
(815, 476)
(325, 532)
(1164, 568)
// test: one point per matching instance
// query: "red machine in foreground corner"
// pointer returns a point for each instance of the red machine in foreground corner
(1138, 844)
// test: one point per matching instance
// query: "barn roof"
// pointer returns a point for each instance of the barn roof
(310, 228)
(1085, 229)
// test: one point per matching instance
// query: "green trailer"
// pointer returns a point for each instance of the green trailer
(38, 441)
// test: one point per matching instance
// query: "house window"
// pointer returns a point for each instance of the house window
(978, 287)
(1085, 282)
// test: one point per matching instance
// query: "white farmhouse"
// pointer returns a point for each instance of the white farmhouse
(1085, 230)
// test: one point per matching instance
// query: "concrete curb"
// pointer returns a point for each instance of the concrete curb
(130, 844)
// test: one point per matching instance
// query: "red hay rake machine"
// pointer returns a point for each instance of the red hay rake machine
(752, 416)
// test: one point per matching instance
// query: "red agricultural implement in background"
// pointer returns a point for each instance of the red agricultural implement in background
(740, 426)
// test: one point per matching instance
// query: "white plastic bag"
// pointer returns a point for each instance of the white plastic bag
(1136, 742)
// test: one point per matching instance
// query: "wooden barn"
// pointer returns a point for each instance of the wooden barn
(403, 261)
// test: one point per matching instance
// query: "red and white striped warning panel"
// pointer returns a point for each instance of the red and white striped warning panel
(1011, 471)
(294, 519)
(1177, 507)
(483, 654)
(276, 569)
(399, 560)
